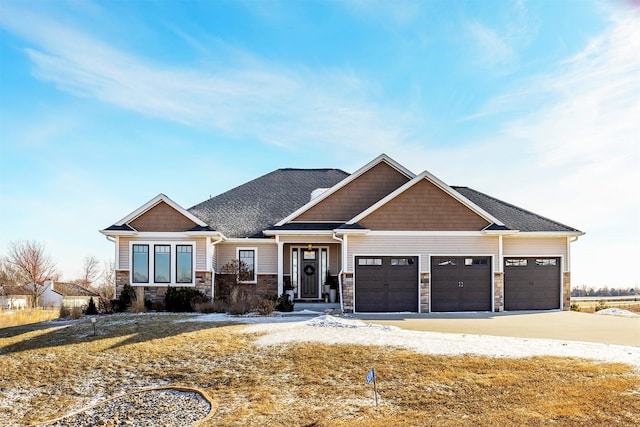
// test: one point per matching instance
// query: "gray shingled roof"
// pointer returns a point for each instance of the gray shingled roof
(513, 217)
(250, 208)
(69, 289)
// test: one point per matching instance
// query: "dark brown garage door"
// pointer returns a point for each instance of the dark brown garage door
(460, 284)
(385, 284)
(531, 283)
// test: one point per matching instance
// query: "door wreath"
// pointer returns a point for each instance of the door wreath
(309, 270)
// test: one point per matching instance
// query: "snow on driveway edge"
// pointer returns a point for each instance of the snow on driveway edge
(334, 330)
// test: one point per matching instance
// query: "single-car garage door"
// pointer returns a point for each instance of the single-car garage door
(460, 284)
(531, 283)
(386, 283)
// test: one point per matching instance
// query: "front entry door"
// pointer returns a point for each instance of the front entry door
(309, 274)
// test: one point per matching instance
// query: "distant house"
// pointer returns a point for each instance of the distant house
(391, 240)
(54, 295)
(14, 297)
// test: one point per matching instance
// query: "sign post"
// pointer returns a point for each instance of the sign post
(371, 376)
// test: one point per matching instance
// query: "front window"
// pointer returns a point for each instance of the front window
(247, 258)
(140, 263)
(184, 263)
(162, 263)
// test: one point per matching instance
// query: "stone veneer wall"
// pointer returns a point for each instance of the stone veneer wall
(566, 290)
(424, 292)
(347, 293)
(156, 293)
(267, 285)
(498, 287)
(122, 278)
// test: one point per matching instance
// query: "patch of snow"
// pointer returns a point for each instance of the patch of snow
(617, 312)
(250, 319)
(305, 311)
(328, 321)
(332, 330)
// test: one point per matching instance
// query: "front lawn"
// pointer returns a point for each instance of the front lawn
(50, 369)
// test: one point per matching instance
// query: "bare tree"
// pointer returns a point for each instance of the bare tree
(90, 272)
(33, 266)
(106, 288)
(8, 273)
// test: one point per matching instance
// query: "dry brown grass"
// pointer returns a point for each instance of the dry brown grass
(590, 306)
(52, 370)
(9, 318)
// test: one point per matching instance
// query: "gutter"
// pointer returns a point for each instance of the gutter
(335, 237)
(221, 239)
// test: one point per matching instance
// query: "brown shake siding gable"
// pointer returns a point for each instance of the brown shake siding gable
(162, 217)
(424, 207)
(356, 196)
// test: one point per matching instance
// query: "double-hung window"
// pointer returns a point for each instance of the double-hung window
(248, 262)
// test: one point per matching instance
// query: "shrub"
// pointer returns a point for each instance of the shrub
(180, 299)
(601, 305)
(239, 301)
(264, 306)
(575, 306)
(209, 307)
(127, 297)
(64, 312)
(284, 304)
(76, 313)
(91, 308)
(106, 306)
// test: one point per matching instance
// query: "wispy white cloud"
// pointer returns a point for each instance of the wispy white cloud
(244, 96)
(498, 45)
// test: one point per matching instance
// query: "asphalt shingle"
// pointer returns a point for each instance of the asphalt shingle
(247, 210)
(514, 217)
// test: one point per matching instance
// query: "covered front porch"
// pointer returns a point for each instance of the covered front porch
(308, 270)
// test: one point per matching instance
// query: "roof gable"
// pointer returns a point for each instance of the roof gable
(160, 214)
(352, 195)
(69, 289)
(425, 203)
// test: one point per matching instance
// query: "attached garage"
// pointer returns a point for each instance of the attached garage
(386, 284)
(460, 284)
(531, 283)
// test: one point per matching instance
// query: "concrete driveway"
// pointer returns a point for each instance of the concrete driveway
(559, 325)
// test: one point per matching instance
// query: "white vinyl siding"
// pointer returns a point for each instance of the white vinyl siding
(267, 255)
(424, 246)
(536, 246)
(200, 257)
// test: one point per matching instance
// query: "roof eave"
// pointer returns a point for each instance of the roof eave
(115, 233)
(550, 233)
(500, 232)
(298, 232)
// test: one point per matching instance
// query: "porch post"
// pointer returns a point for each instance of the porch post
(280, 261)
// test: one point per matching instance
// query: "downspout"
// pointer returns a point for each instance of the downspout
(213, 270)
(335, 237)
(116, 262)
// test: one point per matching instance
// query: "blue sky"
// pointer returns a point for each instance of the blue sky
(103, 105)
